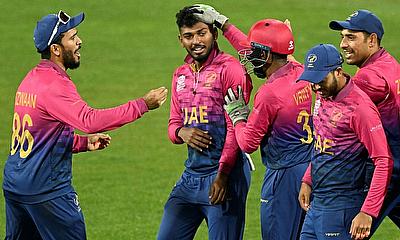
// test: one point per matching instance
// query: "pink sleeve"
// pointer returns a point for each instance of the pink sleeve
(65, 104)
(80, 143)
(175, 119)
(372, 84)
(371, 134)
(307, 176)
(233, 76)
(250, 134)
(235, 37)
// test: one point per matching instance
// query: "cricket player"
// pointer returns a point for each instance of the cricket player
(40, 200)
(347, 130)
(379, 77)
(280, 122)
(216, 179)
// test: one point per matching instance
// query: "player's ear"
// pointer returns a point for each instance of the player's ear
(180, 40)
(372, 40)
(338, 72)
(55, 49)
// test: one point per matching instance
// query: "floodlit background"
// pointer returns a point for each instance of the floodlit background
(128, 48)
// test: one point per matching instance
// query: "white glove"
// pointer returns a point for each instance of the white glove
(236, 107)
(209, 15)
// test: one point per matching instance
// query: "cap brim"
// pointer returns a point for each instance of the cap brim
(73, 22)
(340, 25)
(313, 76)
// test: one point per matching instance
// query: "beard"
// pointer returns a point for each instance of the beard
(201, 58)
(69, 60)
(260, 72)
(330, 91)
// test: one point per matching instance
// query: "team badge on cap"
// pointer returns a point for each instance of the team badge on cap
(311, 59)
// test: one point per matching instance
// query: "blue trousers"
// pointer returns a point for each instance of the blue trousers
(59, 218)
(281, 214)
(329, 225)
(188, 205)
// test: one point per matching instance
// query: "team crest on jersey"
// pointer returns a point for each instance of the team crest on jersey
(210, 78)
(180, 83)
(335, 117)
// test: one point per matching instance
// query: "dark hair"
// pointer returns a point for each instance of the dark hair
(186, 18)
(45, 54)
(366, 35)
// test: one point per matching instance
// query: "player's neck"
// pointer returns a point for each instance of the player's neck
(275, 65)
(58, 61)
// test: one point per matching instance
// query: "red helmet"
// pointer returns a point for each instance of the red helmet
(273, 34)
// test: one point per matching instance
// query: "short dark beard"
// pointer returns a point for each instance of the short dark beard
(68, 59)
(203, 58)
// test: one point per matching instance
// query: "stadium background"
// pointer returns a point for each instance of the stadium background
(128, 48)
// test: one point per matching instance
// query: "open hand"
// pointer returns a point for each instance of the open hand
(196, 138)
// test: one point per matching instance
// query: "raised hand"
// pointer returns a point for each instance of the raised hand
(209, 15)
(155, 97)
(235, 106)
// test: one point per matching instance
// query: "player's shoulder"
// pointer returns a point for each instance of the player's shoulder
(360, 98)
(45, 76)
(226, 59)
(182, 70)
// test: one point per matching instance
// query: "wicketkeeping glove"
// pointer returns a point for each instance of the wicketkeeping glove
(209, 15)
(236, 107)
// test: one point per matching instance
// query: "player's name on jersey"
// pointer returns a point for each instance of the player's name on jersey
(303, 94)
(25, 99)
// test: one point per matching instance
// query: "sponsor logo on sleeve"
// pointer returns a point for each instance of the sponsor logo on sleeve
(376, 128)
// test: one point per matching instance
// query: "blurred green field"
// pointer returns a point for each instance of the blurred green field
(128, 48)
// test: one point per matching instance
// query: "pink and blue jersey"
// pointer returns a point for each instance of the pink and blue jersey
(348, 129)
(280, 122)
(47, 110)
(379, 78)
(197, 100)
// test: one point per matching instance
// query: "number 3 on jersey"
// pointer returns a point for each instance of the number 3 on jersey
(25, 140)
(306, 127)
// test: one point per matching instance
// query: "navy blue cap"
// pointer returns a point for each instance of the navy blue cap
(360, 20)
(45, 27)
(319, 61)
